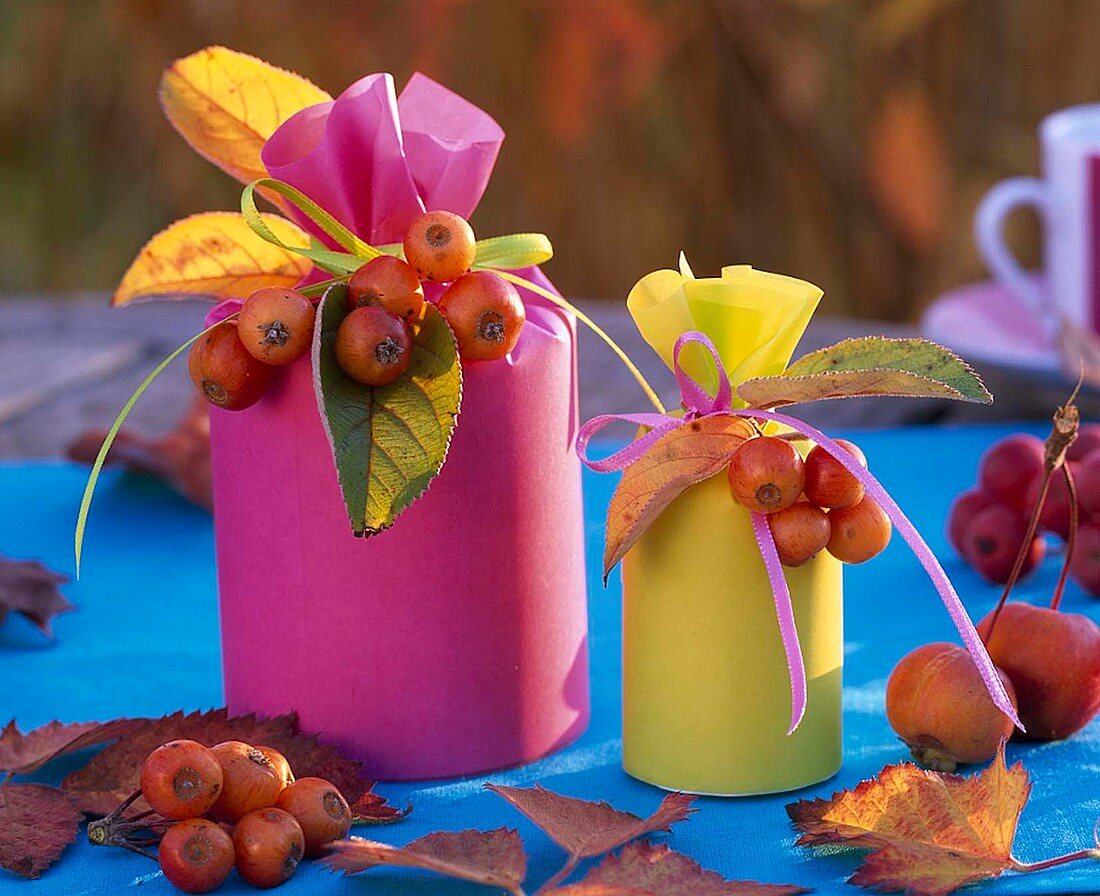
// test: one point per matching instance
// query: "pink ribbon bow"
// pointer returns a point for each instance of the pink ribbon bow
(698, 403)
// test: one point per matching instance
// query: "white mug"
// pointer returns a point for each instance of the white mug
(1067, 199)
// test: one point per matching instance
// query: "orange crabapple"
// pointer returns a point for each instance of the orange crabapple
(440, 245)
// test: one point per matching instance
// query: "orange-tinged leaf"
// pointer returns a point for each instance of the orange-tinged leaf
(584, 828)
(213, 254)
(930, 833)
(687, 455)
(495, 858)
(226, 104)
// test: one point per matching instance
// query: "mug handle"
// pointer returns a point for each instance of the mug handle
(995, 206)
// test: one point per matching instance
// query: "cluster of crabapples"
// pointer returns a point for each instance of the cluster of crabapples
(812, 504)
(987, 524)
(233, 364)
(1047, 659)
(237, 806)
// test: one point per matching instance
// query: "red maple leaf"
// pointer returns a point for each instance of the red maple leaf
(642, 869)
(31, 589)
(37, 822)
(495, 858)
(21, 754)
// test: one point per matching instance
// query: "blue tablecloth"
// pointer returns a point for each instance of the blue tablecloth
(145, 642)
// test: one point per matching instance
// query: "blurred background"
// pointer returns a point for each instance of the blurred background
(843, 141)
(846, 142)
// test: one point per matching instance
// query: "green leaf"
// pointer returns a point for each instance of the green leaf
(514, 251)
(872, 365)
(388, 442)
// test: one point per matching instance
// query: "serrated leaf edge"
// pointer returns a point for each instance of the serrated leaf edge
(624, 548)
(825, 375)
(315, 361)
(895, 340)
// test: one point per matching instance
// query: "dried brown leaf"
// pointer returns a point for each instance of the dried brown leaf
(495, 858)
(643, 869)
(584, 828)
(37, 822)
(181, 458)
(31, 589)
(114, 773)
(371, 808)
(22, 754)
(311, 758)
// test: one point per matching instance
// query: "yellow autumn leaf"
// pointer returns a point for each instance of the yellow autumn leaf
(226, 104)
(213, 254)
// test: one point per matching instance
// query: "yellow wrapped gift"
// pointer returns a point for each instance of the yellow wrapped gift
(706, 690)
(732, 663)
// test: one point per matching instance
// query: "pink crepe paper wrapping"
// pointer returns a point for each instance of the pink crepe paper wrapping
(456, 641)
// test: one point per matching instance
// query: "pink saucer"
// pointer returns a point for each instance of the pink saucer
(986, 322)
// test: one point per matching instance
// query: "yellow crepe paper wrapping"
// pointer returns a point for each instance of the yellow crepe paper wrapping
(706, 693)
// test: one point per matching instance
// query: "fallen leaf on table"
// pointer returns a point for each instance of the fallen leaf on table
(31, 589)
(308, 757)
(114, 773)
(929, 833)
(37, 822)
(686, 455)
(642, 869)
(181, 458)
(585, 829)
(495, 858)
(21, 754)
(371, 808)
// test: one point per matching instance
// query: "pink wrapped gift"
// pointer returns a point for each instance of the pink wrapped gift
(456, 641)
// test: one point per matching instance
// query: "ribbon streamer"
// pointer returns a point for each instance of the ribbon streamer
(698, 403)
(784, 612)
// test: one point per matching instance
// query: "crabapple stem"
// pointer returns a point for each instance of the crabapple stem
(1028, 867)
(1071, 541)
(123, 806)
(113, 830)
(1021, 555)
